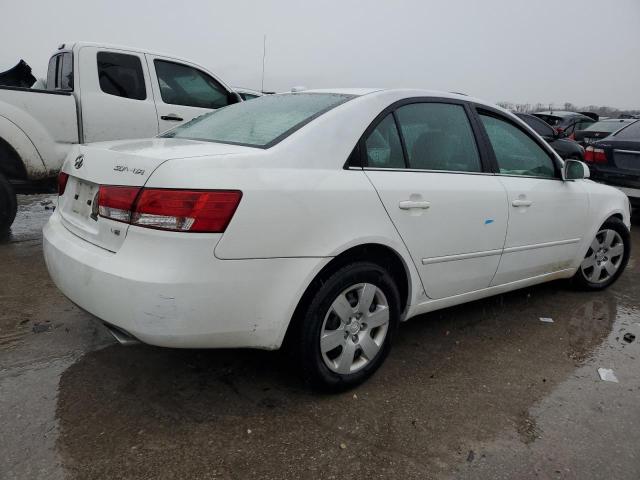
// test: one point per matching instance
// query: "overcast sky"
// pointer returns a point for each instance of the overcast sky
(580, 51)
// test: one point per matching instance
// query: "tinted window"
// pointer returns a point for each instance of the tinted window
(550, 119)
(66, 72)
(582, 124)
(121, 75)
(631, 132)
(183, 85)
(262, 122)
(52, 72)
(516, 152)
(539, 126)
(438, 136)
(247, 96)
(383, 146)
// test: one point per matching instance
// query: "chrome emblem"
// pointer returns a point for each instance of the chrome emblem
(79, 161)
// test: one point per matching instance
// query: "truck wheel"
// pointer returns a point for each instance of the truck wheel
(8, 205)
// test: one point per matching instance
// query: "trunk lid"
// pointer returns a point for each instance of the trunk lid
(124, 163)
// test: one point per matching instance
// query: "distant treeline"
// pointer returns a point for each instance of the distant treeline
(568, 106)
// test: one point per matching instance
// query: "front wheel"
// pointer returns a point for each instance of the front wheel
(8, 205)
(345, 333)
(606, 257)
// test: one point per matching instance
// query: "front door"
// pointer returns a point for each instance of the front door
(425, 164)
(183, 91)
(547, 216)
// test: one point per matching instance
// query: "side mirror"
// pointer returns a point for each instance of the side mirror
(575, 170)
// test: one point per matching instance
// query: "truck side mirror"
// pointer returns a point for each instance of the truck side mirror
(575, 170)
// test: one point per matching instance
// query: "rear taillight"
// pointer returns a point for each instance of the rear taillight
(62, 182)
(116, 203)
(594, 155)
(165, 209)
(186, 210)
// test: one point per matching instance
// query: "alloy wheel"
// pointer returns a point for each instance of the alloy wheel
(604, 257)
(354, 328)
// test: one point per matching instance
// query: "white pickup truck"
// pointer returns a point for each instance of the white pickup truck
(95, 92)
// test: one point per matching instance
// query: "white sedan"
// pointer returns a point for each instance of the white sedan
(322, 219)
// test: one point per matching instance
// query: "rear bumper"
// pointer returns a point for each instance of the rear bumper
(169, 290)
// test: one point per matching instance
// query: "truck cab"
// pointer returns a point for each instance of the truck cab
(95, 92)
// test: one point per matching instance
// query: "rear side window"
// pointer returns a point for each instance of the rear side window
(516, 152)
(262, 122)
(630, 132)
(184, 85)
(383, 146)
(60, 72)
(121, 75)
(438, 136)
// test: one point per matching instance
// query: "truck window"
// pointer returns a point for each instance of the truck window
(121, 75)
(60, 72)
(183, 85)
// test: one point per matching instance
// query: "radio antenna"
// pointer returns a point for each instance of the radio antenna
(264, 54)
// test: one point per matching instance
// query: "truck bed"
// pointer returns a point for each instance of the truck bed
(40, 125)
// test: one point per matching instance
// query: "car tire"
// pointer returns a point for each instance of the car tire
(606, 257)
(8, 205)
(362, 339)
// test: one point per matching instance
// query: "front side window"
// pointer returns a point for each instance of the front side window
(121, 75)
(184, 85)
(262, 122)
(438, 136)
(383, 146)
(516, 152)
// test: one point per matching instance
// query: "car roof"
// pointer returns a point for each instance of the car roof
(402, 93)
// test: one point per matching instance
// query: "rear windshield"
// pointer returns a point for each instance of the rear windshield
(606, 126)
(262, 122)
(630, 132)
(550, 119)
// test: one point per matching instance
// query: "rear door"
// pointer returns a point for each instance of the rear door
(423, 159)
(547, 216)
(183, 91)
(115, 95)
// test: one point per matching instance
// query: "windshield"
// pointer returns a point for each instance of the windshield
(262, 122)
(632, 131)
(606, 126)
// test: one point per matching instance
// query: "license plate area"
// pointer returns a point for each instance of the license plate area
(83, 199)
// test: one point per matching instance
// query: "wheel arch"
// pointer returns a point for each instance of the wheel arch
(19, 158)
(383, 255)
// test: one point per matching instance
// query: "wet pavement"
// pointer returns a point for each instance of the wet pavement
(484, 390)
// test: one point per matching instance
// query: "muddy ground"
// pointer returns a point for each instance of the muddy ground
(485, 390)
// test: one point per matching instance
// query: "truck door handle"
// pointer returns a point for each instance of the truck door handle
(522, 203)
(409, 204)
(172, 117)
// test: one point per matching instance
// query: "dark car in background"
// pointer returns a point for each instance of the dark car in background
(599, 130)
(615, 160)
(566, 123)
(565, 147)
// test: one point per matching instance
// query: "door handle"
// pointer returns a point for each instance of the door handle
(172, 117)
(522, 203)
(409, 204)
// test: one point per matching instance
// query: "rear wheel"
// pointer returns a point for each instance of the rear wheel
(606, 257)
(345, 333)
(8, 205)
